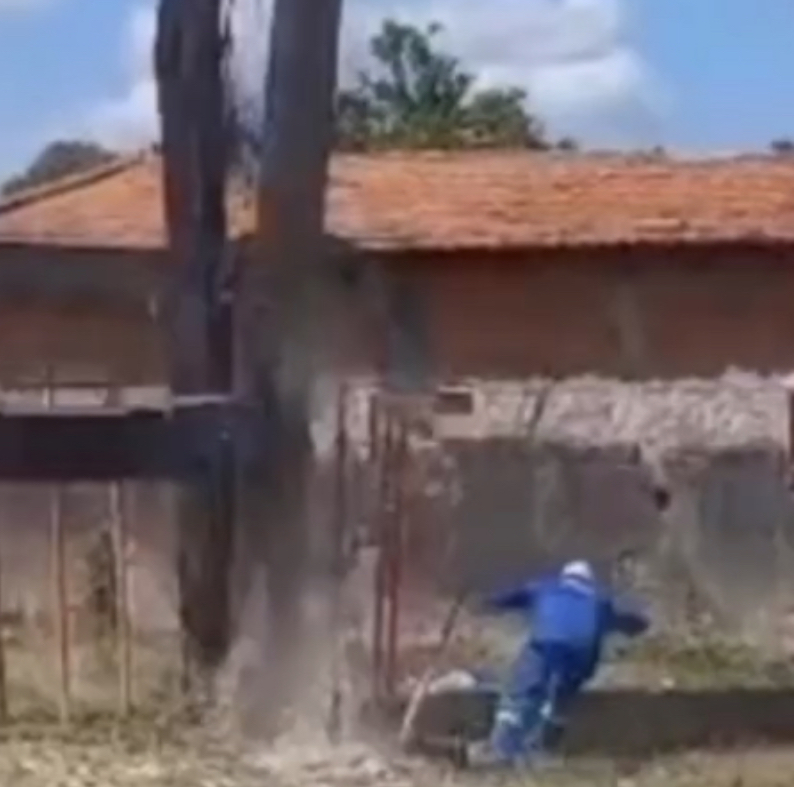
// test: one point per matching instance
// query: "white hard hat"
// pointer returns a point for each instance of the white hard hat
(578, 569)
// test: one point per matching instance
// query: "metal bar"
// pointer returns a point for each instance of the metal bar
(340, 489)
(790, 403)
(395, 540)
(339, 563)
(382, 458)
(123, 629)
(407, 730)
(61, 603)
(3, 670)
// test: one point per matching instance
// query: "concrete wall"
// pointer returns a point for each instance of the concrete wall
(719, 558)
(582, 482)
(730, 532)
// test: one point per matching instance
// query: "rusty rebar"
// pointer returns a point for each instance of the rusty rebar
(395, 543)
(61, 603)
(60, 587)
(383, 437)
(339, 567)
(3, 671)
(123, 627)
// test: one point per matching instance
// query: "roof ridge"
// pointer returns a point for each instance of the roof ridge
(591, 155)
(477, 200)
(71, 182)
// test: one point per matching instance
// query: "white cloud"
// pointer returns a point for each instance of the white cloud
(130, 120)
(572, 56)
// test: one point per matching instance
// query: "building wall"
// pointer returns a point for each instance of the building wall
(618, 312)
(83, 315)
(79, 343)
(633, 312)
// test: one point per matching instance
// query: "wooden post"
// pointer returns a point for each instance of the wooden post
(189, 55)
(123, 629)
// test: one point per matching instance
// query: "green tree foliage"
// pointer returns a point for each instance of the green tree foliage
(783, 146)
(58, 159)
(421, 97)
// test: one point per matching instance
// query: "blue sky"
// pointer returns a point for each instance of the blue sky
(693, 75)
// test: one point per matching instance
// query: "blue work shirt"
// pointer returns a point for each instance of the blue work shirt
(570, 611)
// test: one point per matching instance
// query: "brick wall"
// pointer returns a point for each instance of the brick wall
(637, 311)
(666, 312)
(79, 343)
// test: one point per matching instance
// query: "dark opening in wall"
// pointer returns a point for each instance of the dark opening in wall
(454, 401)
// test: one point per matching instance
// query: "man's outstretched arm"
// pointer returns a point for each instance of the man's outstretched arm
(516, 598)
(628, 621)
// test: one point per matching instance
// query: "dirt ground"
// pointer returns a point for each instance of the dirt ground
(142, 760)
(627, 738)
(691, 717)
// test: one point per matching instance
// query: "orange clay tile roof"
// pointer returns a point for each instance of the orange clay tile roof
(467, 200)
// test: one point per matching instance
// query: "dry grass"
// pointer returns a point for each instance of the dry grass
(34, 679)
(752, 768)
(159, 747)
(121, 758)
(703, 664)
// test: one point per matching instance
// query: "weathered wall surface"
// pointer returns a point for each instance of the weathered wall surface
(667, 312)
(84, 315)
(79, 343)
(641, 311)
(719, 558)
(582, 483)
(663, 313)
(26, 550)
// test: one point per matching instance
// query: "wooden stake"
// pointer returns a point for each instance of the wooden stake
(407, 729)
(123, 628)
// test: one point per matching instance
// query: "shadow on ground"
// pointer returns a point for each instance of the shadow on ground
(631, 723)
